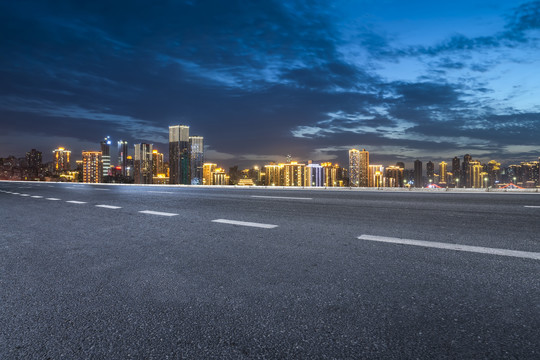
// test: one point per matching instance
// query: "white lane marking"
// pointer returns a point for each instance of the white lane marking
(532, 206)
(280, 197)
(109, 206)
(103, 189)
(24, 194)
(76, 202)
(161, 192)
(457, 247)
(16, 194)
(245, 223)
(37, 197)
(157, 213)
(53, 199)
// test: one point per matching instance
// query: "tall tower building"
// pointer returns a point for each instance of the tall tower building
(474, 174)
(354, 167)
(122, 156)
(142, 164)
(273, 175)
(34, 159)
(293, 174)
(363, 168)
(465, 168)
(157, 163)
(92, 164)
(376, 176)
(179, 155)
(208, 173)
(197, 159)
(61, 160)
(430, 172)
(456, 170)
(106, 154)
(443, 178)
(418, 180)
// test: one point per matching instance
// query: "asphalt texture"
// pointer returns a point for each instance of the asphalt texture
(80, 281)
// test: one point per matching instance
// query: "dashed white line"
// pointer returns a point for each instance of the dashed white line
(532, 206)
(157, 213)
(245, 223)
(37, 197)
(280, 197)
(103, 189)
(53, 199)
(109, 206)
(457, 247)
(24, 194)
(161, 192)
(15, 194)
(76, 202)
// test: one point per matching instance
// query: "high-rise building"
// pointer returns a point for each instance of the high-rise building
(157, 163)
(106, 154)
(474, 174)
(430, 172)
(465, 168)
(293, 174)
(314, 175)
(418, 178)
(208, 171)
(443, 180)
(122, 156)
(354, 167)
(363, 168)
(179, 155)
(92, 166)
(394, 176)
(219, 177)
(197, 159)
(33, 160)
(456, 170)
(494, 172)
(273, 175)
(376, 176)
(142, 163)
(61, 160)
(330, 173)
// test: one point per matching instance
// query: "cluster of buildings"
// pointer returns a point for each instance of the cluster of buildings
(466, 172)
(143, 164)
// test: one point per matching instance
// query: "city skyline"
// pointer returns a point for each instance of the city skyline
(406, 81)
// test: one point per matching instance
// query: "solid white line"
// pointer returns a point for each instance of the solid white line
(532, 206)
(53, 199)
(457, 247)
(37, 197)
(245, 223)
(280, 197)
(76, 202)
(109, 206)
(157, 213)
(161, 192)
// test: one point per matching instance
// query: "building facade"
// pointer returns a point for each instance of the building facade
(179, 155)
(92, 166)
(142, 164)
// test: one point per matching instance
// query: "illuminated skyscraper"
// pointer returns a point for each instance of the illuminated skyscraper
(376, 176)
(314, 175)
(442, 174)
(122, 156)
(394, 176)
(157, 163)
(354, 167)
(474, 174)
(273, 174)
(197, 159)
(464, 169)
(179, 155)
(330, 174)
(106, 154)
(293, 174)
(418, 178)
(208, 173)
(92, 165)
(142, 164)
(61, 160)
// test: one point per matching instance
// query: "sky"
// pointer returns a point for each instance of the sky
(259, 80)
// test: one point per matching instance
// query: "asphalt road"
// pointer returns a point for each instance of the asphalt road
(146, 272)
